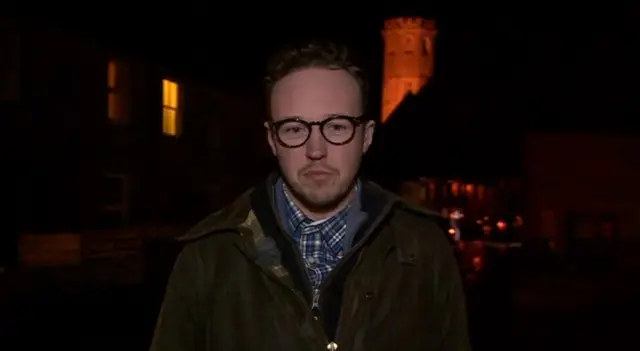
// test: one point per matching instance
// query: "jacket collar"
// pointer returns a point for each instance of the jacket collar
(233, 216)
(374, 201)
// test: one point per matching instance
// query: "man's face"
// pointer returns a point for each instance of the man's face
(319, 173)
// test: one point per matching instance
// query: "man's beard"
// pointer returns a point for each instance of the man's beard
(323, 198)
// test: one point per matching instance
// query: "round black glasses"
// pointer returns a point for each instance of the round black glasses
(337, 130)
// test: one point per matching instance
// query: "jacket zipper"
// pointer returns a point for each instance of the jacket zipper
(316, 320)
(356, 249)
(314, 316)
(331, 345)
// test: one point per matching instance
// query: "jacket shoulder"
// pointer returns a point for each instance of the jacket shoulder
(419, 211)
(403, 205)
(225, 220)
(423, 220)
(419, 214)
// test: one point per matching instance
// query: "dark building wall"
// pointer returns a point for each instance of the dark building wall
(61, 100)
(245, 151)
(11, 113)
(575, 182)
(75, 161)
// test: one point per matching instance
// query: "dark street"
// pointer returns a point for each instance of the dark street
(540, 311)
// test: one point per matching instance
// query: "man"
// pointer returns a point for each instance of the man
(315, 258)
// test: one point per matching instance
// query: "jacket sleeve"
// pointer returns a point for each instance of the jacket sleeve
(451, 298)
(178, 327)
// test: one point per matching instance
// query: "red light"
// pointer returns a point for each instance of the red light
(477, 263)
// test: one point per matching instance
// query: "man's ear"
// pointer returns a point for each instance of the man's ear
(272, 143)
(369, 128)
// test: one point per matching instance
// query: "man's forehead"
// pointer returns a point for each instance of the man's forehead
(316, 93)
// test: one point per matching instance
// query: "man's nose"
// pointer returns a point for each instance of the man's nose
(316, 146)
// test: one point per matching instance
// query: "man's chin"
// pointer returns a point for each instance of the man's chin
(318, 196)
(322, 200)
(320, 205)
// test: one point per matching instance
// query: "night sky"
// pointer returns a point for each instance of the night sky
(553, 62)
(500, 70)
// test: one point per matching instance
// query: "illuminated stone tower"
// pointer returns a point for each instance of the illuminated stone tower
(408, 59)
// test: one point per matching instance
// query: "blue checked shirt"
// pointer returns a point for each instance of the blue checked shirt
(320, 242)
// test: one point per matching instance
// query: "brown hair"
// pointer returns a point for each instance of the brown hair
(316, 53)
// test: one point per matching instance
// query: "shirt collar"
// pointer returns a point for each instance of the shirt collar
(293, 214)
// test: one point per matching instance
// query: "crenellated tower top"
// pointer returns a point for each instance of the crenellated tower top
(409, 23)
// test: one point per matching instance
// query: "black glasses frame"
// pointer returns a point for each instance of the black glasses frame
(355, 121)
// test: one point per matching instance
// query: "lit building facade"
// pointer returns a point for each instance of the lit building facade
(475, 200)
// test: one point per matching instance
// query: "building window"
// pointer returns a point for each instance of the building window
(480, 192)
(408, 87)
(469, 189)
(455, 189)
(408, 45)
(114, 99)
(422, 195)
(432, 191)
(115, 198)
(425, 46)
(117, 92)
(170, 108)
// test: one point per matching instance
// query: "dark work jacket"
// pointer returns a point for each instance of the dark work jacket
(240, 284)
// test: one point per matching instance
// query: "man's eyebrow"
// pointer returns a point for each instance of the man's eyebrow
(285, 118)
(327, 116)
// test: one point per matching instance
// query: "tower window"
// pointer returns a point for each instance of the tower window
(408, 45)
(408, 86)
(425, 48)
